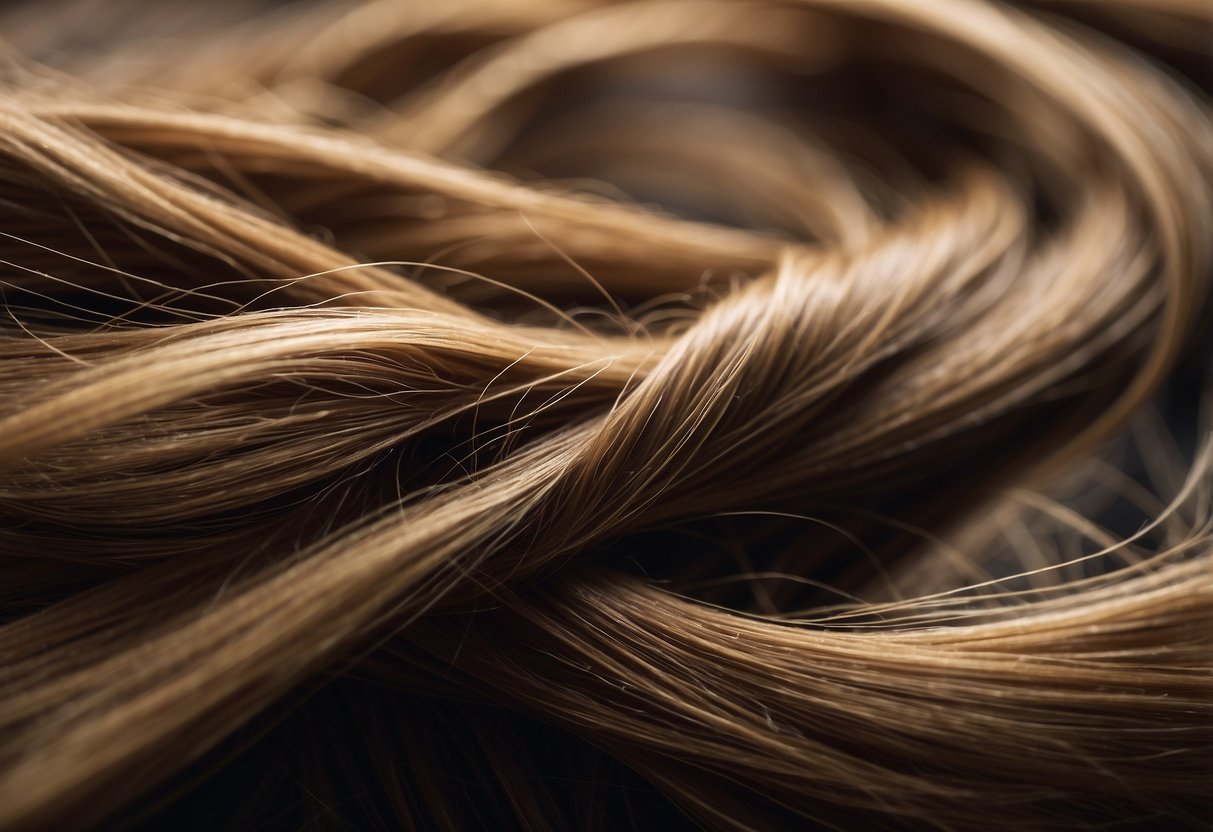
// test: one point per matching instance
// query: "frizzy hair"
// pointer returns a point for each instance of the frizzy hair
(355, 433)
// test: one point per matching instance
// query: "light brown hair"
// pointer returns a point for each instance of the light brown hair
(355, 432)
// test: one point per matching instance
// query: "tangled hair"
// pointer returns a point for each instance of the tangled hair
(583, 414)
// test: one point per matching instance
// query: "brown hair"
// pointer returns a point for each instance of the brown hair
(441, 498)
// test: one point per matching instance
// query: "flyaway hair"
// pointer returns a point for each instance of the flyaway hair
(574, 414)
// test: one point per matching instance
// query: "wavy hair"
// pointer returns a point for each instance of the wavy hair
(577, 414)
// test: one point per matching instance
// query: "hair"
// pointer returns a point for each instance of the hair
(563, 413)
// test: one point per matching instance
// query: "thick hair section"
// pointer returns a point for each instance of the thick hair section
(582, 414)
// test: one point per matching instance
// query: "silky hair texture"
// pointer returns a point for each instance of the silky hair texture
(578, 414)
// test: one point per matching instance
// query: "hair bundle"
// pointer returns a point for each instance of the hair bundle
(572, 413)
